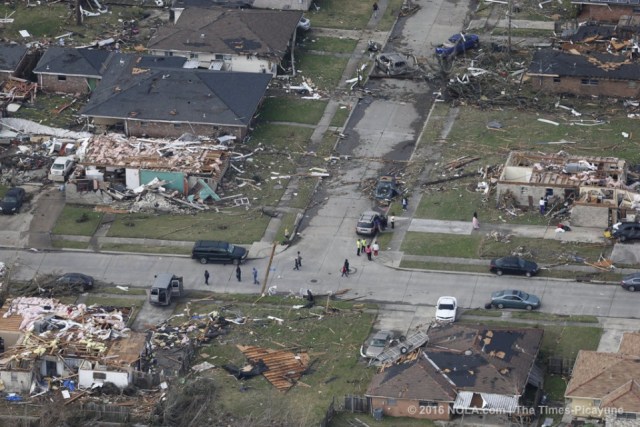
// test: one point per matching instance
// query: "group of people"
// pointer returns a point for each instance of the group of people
(254, 271)
(369, 249)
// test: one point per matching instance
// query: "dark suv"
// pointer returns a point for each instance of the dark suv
(215, 251)
(626, 231)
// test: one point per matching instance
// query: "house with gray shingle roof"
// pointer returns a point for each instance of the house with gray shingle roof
(141, 97)
(69, 70)
(606, 386)
(595, 74)
(254, 41)
(12, 60)
(462, 369)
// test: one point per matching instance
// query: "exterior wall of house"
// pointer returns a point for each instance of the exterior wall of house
(584, 408)
(90, 197)
(16, 381)
(590, 216)
(522, 191)
(606, 12)
(175, 180)
(412, 409)
(4, 75)
(53, 83)
(88, 377)
(175, 130)
(575, 85)
(237, 63)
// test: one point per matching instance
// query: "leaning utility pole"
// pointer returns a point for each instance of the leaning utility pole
(509, 28)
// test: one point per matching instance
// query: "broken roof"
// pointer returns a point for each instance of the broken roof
(284, 367)
(609, 377)
(416, 380)
(608, 2)
(175, 95)
(226, 31)
(551, 62)
(10, 56)
(73, 62)
(482, 359)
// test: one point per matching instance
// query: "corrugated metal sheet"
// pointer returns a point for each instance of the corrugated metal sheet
(490, 401)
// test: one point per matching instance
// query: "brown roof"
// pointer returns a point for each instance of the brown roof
(483, 359)
(416, 380)
(630, 344)
(126, 351)
(284, 367)
(225, 31)
(10, 323)
(609, 377)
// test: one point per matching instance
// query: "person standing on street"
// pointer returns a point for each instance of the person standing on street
(368, 251)
(358, 246)
(375, 10)
(206, 277)
(296, 264)
(375, 247)
(392, 221)
(238, 273)
(405, 203)
(542, 204)
(363, 244)
(345, 268)
(299, 258)
(255, 276)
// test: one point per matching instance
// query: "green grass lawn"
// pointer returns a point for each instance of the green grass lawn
(352, 15)
(324, 71)
(436, 244)
(329, 44)
(536, 315)
(77, 220)
(339, 119)
(122, 247)
(292, 110)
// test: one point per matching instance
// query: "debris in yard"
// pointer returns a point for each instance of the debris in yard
(602, 264)
(500, 237)
(283, 368)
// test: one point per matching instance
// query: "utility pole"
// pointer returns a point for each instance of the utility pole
(509, 28)
(266, 275)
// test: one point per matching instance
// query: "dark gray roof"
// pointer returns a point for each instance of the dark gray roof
(230, 4)
(10, 56)
(176, 95)
(608, 2)
(562, 64)
(217, 30)
(73, 62)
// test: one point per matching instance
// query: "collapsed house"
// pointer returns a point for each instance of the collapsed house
(596, 186)
(114, 164)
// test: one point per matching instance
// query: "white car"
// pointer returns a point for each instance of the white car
(304, 24)
(61, 168)
(446, 309)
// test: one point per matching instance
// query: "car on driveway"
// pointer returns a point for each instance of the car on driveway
(631, 282)
(512, 298)
(376, 345)
(446, 309)
(513, 265)
(12, 201)
(458, 43)
(626, 231)
(75, 279)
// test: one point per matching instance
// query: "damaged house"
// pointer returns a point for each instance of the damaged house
(605, 10)
(68, 70)
(596, 186)
(252, 41)
(606, 386)
(177, 6)
(463, 369)
(141, 98)
(593, 74)
(185, 166)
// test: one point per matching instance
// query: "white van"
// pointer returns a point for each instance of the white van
(61, 168)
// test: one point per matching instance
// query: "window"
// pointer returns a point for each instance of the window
(62, 78)
(177, 125)
(632, 84)
(556, 79)
(193, 56)
(168, 54)
(99, 376)
(431, 403)
(596, 403)
(391, 402)
(625, 416)
(589, 82)
(14, 376)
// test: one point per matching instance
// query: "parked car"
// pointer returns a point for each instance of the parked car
(61, 168)
(76, 279)
(458, 43)
(446, 309)
(386, 188)
(12, 201)
(216, 251)
(512, 298)
(624, 231)
(513, 265)
(631, 282)
(395, 64)
(304, 24)
(377, 344)
(369, 223)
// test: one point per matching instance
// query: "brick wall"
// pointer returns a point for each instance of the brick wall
(411, 408)
(605, 13)
(51, 84)
(171, 130)
(574, 85)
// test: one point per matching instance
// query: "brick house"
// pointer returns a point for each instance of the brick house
(253, 40)
(596, 74)
(463, 369)
(147, 96)
(71, 71)
(177, 6)
(606, 386)
(606, 10)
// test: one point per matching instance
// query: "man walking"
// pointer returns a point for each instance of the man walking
(238, 273)
(358, 246)
(206, 277)
(296, 264)
(392, 221)
(299, 257)
(255, 276)
(345, 268)
(375, 10)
